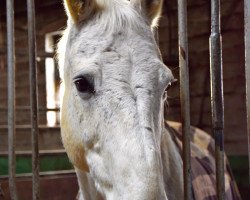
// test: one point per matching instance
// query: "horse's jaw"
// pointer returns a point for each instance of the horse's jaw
(91, 191)
(128, 173)
(172, 174)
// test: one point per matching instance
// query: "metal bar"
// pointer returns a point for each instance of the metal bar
(184, 95)
(217, 100)
(33, 98)
(247, 70)
(11, 98)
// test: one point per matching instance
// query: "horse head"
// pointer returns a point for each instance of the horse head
(114, 90)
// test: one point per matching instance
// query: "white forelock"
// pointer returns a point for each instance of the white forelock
(118, 14)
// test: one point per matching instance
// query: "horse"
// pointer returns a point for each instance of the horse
(112, 122)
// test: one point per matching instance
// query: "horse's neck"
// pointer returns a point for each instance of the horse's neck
(172, 172)
(172, 166)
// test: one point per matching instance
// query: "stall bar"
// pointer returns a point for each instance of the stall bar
(184, 95)
(11, 98)
(247, 70)
(217, 98)
(33, 98)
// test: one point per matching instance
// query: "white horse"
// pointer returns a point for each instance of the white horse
(112, 119)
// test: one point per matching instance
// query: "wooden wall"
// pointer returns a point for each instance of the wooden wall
(232, 20)
(50, 17)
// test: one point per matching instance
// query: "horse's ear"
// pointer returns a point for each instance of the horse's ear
(79, 10)
(151, 8)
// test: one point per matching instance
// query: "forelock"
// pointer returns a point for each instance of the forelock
(119, 15)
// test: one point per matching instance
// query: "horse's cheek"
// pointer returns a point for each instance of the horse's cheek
(73, 145)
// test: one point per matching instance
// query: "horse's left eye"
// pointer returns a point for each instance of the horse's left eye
(85, 84)
(165, 92)
(168, 86)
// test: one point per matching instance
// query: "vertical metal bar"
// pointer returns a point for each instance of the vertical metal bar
(217, 100)
(247, 70)
(33, 97)
(11, 98)
(184, 95)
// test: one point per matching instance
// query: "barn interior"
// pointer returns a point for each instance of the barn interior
(58, 180)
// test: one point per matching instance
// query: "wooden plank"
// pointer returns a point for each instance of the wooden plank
(49, 138)
(41, 152)
(54, 186)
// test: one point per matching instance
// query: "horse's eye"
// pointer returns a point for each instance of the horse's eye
(165, 92)
(171, 84)
(85, 84)
(168, 86)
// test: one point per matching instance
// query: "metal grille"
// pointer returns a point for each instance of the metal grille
(216, 92)
(11, 97)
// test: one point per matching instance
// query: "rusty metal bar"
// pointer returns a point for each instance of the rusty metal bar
(33, 98)
(11, 98)
(184, 95)
(247, 70)
(217, 100)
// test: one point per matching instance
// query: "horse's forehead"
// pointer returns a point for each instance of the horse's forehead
(113, 63)
(118, 53)
(87, 44)
(132, 47)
